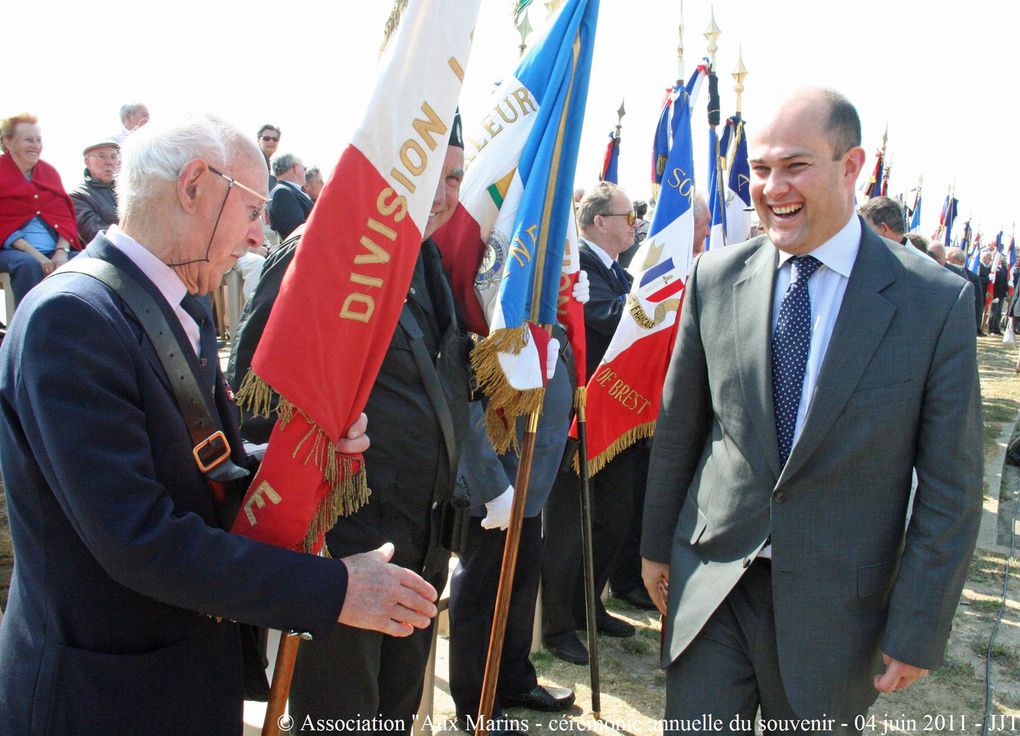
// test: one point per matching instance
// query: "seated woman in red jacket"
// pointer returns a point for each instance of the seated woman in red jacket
(37, 226)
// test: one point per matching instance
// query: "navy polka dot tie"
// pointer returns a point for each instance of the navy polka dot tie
(790, 344)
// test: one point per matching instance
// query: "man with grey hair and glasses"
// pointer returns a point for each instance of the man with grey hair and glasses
(289, 206)
(126, 587)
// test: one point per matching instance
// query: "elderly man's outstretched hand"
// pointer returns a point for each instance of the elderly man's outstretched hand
(384, 597)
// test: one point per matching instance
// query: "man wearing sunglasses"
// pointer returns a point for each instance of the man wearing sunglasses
(126, 588)
(268, 139)
(607, 222)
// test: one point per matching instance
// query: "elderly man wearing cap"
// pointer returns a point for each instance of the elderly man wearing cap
(95, 200)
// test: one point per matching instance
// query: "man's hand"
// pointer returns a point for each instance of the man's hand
(356, 440)
(581, 292)
(656, 578)
(384, 597)
(897, 675)
(59, 258)
(497, 510)
(552, 357)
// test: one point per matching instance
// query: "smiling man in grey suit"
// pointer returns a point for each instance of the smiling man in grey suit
(814, 367)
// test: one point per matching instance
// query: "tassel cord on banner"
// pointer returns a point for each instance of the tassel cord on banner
(587, 553)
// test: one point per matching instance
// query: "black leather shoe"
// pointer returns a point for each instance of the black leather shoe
(612, 626)
(637, 597)
(544, 698)
(570, 650)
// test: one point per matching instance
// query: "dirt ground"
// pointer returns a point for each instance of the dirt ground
(950, 700)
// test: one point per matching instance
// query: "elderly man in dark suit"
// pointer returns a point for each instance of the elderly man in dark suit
(126, 586)
(607, 223)
(814, 367)
(289, 206)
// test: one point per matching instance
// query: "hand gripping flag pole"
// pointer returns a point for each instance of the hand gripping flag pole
(346, 286)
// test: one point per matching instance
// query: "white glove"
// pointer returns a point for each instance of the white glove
(552, 358)
(581, 292)
(497, 511)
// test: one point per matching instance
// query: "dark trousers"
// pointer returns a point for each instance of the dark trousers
(732, 667)
(472, 601)
(25, 272)
(995, 317)
(626, 573)
(354, 673)
(562, 563)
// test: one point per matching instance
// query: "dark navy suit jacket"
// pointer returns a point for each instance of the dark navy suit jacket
(604, 309)
(118, 552)
(288, 208)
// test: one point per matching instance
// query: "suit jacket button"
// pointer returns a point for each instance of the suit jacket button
(747, 562)
(779, 496)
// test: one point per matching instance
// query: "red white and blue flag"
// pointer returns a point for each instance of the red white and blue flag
(348, 280)
(611, 161)
(625, 390)
(504, 246)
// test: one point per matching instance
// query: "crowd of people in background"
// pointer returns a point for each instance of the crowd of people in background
(42, 225)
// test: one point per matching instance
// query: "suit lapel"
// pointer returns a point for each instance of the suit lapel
(752, 310)
(607, 273)
(862, 322)
(103, 248)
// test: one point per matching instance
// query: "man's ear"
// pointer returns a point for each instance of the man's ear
(190, 183)
(855, 158)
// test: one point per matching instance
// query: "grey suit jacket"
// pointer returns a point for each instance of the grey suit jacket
(898, 389)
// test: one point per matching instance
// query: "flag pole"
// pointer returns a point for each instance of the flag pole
(587, 551)
(506, 575)
(283, 673)
(714, 115)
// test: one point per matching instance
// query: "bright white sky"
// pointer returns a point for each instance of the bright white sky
(942, 76)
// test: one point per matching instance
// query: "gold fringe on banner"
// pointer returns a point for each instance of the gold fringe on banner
(343, 500)
(506, 403)
(348, 491)
(618, 445)
(399, 6)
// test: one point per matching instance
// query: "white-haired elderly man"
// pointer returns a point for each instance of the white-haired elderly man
(126, 588)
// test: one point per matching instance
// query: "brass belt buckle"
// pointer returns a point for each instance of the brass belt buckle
(211, 451)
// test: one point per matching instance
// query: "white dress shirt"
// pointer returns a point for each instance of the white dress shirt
(606, 259)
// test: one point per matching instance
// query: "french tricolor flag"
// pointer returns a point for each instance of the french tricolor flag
(346, 286)
(625, 390)
(504, 246)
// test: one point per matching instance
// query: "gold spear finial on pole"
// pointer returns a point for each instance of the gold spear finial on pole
(679, 49)
(619, 116)
(524, 28)
(712, 36)
(738, 74)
